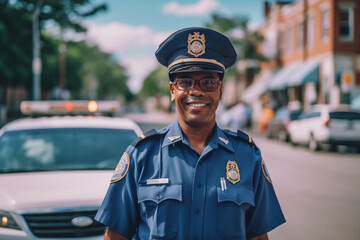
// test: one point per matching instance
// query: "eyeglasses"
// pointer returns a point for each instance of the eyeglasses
(206, 84)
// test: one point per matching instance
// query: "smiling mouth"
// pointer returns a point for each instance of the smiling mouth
(196, 105)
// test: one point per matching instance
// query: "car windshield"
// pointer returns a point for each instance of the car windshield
(63, 149)
(345, 115)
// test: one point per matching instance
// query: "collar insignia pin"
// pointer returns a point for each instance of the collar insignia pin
(173, 138)
(232, 172)
(224, 140)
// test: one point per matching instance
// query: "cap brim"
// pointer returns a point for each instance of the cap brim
(195, 68)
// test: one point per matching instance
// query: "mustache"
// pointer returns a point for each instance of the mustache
(195, 98)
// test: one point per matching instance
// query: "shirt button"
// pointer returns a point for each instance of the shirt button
(238, 199)
(158, 197)
(197, 211)
(199, 185)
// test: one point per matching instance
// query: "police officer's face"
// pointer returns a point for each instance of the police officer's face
(196, 106)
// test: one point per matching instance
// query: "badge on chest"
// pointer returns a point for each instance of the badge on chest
(232, 172)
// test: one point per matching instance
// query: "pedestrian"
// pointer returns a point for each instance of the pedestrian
(191, 179)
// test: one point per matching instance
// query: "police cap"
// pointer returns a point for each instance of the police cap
(196, 49)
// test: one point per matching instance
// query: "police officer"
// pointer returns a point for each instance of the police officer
(191, 179)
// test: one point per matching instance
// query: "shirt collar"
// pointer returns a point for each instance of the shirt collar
(175, 135)
(222, 139)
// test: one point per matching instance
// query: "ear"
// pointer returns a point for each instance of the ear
(172, 91)
(221, 90)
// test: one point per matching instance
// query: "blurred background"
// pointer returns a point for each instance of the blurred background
(297, 60)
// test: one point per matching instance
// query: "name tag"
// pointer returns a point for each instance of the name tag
(157, 181)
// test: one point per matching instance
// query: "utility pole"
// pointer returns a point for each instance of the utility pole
(62, 67)
(36, 63)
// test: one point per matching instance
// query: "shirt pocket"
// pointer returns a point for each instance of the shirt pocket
(231, 211)
(159, 210)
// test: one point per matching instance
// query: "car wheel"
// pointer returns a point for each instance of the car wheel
(333, 148)
(313, 144)
(294, 144)
(283, 136)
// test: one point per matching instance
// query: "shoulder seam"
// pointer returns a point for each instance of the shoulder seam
(147, 134)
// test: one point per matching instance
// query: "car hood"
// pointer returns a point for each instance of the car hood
(25, 191)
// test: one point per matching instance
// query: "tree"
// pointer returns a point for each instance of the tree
(15, 31)
(245, 42)
(156, 83)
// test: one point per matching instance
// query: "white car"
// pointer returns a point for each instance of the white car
(326, 124)
(54, 173)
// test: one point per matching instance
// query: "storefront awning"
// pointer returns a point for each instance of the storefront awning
(257, 88)
(294, 75)
(279, 80)
(307, 72)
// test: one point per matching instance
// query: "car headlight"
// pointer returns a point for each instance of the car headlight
(7, 221)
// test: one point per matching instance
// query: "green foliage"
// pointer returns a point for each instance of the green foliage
(156, 83)
(15, 44)
(245, 45)
(82, 60)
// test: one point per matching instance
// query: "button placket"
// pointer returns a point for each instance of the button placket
(198, 200)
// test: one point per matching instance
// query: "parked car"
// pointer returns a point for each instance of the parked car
(278, 126)
(355, 103)
(334, 125)
(54, 171)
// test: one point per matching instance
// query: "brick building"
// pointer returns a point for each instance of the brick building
(313, 47)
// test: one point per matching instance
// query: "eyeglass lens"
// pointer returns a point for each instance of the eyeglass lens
(205, 84)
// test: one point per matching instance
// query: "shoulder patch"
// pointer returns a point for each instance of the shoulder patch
(122, 168)
(149, 133)
(265, 171)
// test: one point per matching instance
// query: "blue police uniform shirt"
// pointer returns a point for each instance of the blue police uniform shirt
(169, 191)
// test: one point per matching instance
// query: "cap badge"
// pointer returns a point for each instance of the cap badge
(232, 172)
(196, 44)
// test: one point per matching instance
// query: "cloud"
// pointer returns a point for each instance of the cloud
(138, 67)
(117, 37)
(133, 46)
(202, 7)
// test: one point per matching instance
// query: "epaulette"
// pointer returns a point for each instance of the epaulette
(149, 133)
(242, 136)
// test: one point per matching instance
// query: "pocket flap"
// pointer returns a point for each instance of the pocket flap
(238, 195)
(159, 193)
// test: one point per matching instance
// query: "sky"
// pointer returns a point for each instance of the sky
(132, 29)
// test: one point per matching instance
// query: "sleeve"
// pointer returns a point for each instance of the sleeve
(119, 210)
(267, 214)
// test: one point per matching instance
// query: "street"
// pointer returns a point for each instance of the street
(319, 192)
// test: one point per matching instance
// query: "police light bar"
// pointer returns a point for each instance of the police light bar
(69, 107)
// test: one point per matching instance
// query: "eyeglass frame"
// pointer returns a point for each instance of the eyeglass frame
(197, 82)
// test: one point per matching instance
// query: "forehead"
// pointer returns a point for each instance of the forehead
(197, 75)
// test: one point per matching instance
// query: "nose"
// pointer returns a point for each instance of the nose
(196, 90)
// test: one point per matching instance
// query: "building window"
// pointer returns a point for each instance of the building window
(281, 42)
(346, 23)
(289, 39)
(300, 35)
(325, 25)
(310, 31)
